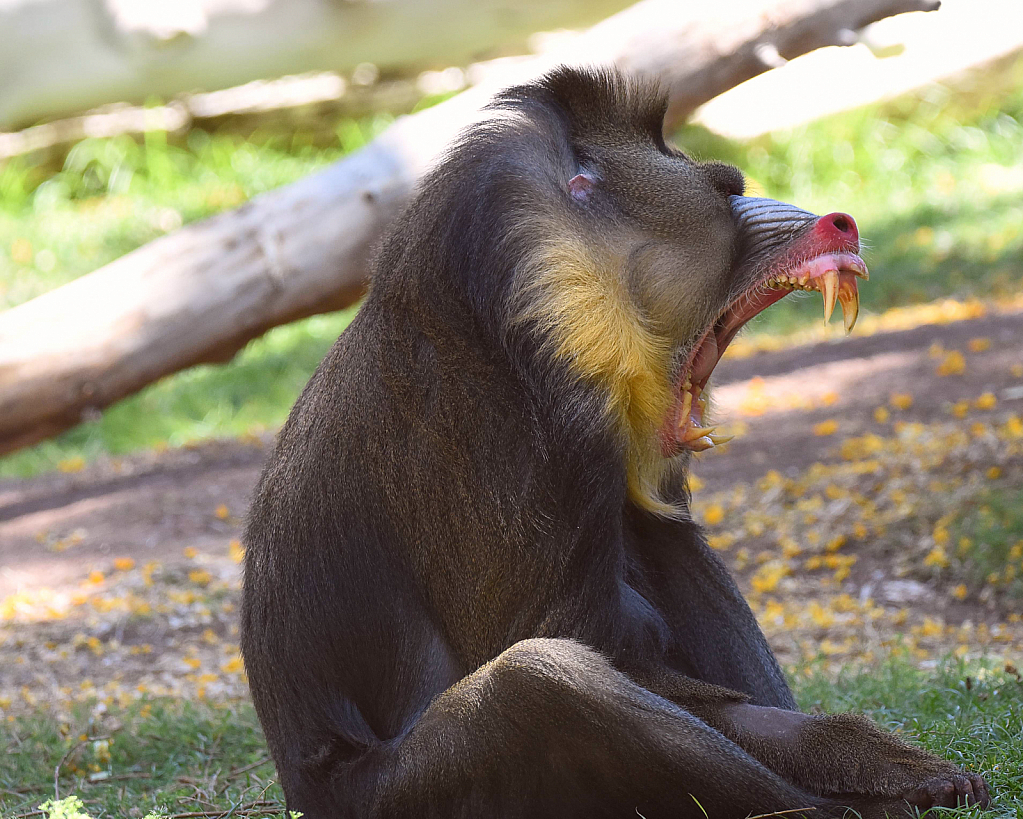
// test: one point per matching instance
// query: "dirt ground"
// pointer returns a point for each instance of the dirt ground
(831, 504)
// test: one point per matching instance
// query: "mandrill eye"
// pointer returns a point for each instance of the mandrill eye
(580, 185)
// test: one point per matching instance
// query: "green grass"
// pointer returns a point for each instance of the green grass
(971, 715)
(165, 756)
(178, 757)
(933, 179)
(989, 538)
(111, 195)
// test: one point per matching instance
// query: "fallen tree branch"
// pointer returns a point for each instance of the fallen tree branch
(201, 293)
(61, 57)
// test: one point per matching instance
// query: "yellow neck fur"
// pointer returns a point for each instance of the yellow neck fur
(586, 311)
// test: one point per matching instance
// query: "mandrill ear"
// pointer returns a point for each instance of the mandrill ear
(580, 185)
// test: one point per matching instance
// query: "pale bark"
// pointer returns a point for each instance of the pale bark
(201, 293)
(62, 57)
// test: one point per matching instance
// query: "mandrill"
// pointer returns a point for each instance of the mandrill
(473, 585)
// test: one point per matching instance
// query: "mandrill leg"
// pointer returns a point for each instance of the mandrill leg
(550, 729)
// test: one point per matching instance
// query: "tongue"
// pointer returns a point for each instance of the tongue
(706, 359)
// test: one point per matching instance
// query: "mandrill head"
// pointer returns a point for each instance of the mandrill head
(634, 266)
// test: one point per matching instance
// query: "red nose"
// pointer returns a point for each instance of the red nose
(840, 229)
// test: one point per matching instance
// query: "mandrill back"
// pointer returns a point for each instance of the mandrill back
(405, 529)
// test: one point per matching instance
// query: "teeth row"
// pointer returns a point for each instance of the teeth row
(696, 438)
(792, 283)
(833, 290)
(692, 396)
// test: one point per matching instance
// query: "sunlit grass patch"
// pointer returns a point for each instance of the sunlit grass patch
(108, 196)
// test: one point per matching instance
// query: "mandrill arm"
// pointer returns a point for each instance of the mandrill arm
(828, 755)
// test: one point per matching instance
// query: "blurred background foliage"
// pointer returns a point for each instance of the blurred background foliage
(934, 179)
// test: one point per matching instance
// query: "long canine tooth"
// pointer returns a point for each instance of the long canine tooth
(693, 433)
(829, 287)
(720, 439)
(700, 444)
(849, 298)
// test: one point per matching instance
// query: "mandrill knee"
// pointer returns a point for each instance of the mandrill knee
(547, 662)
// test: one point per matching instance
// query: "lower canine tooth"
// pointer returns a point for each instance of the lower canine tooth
(694, 433)
(717, 440)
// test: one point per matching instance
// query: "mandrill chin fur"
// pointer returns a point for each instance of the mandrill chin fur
(473, 587)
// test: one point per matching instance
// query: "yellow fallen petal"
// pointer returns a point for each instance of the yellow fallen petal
(237, 552)
(199, 577)
(986, 401)
(75, 464)
(952, 364)
(828, 427)
(901, 400)
(232, 666)
(713, 515)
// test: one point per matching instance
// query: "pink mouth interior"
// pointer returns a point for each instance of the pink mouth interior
(712, 345)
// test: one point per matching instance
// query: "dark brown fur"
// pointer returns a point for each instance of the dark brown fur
(457, 601)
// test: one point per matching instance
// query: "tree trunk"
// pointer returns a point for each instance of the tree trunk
(61, 57)
(200, 294)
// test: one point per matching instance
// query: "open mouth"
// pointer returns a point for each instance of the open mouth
(832, 274)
